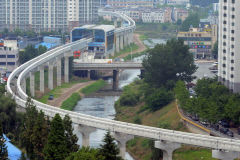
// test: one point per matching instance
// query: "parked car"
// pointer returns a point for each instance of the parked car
(224, 130)
(224, 124)
(230, 133)
(215, 126)
(51, 97)
(205, 123)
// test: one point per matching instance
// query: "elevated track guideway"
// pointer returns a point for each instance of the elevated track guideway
(167, 140)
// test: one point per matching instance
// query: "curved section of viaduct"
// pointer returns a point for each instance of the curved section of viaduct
(167, 140)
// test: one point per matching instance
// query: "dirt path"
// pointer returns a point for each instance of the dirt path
(137, 41)
(67, 92)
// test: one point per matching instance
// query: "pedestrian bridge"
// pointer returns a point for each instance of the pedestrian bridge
(167, 140)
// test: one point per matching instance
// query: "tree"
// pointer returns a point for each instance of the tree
(39, 135)
(159, 98)
(56, 147)
(166, 64)
(86, 153)
(109, 149)
(71, 139)
(215, 50)
(3, 147)
(7, 113)
(28, 126)
(192, 20)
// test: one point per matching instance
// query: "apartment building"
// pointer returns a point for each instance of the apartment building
(47, 15)
(200, 40)
(130, 3)
(179, 13)
(229, 48)
(8, 56)
(153, 16)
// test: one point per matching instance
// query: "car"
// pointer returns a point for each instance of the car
(215, 126)
(205, 123)
(51, 97)
(230, 133)
(224, 130)
(195, 118)
(224, 123)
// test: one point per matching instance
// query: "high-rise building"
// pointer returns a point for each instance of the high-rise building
(47, 15)
(229, 49)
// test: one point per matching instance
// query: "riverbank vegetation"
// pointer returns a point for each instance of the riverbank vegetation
(71, 102)
(130, 48)
(93, 87)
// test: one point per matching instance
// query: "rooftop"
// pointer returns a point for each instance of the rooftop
(106, 28)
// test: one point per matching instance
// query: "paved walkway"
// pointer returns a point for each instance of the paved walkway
(67, 92)
(138, 42)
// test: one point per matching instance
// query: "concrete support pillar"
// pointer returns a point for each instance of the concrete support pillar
(121, 42)
(125, 40)
(121, 23)
(117, 43)
(122, 139)
(115, 23)
(24, 85)
(32, 84)
(115, 79)
(225, 155)
(167, 147)
(129, 38)
(59, 72)
(66, 69)
(50, 76)
(42, 79)
(89, 74)
(85, 131)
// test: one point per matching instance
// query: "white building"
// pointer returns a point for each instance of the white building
(8, 56)
(177, 2)
(47, 15)
(215, 7)
(229, 48)
(153, 17)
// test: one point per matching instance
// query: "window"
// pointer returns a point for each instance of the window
(233, 16)
(10, 56)
(232, 76)
(224, 72)
(225, 7)
(232, 31)
(225, 1)
(232, 68)
(2, 56)
(232, 53)
(224, 43)
(232, 39)
(224, 15)
(232, 61)
(224, 58)
(233, 1)
(11, 63)
(232, 46)
(233, 24)
(224, 36)
(2, 63)
(224, 51)
(224, 22)
(224, 65)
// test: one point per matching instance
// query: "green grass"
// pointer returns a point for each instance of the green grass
(71, 102)
(126, 49)
(56, 92)
(193, 153)
(93, 87)
(129, 57)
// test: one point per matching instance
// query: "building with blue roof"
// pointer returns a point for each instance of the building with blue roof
(13, 152)
(49, 42)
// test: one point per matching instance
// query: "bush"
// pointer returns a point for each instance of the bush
(71, 102)
(129, 99)
(93, 87)
(159, 98)
(137, 120)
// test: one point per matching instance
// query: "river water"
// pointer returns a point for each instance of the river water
(103, 107)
